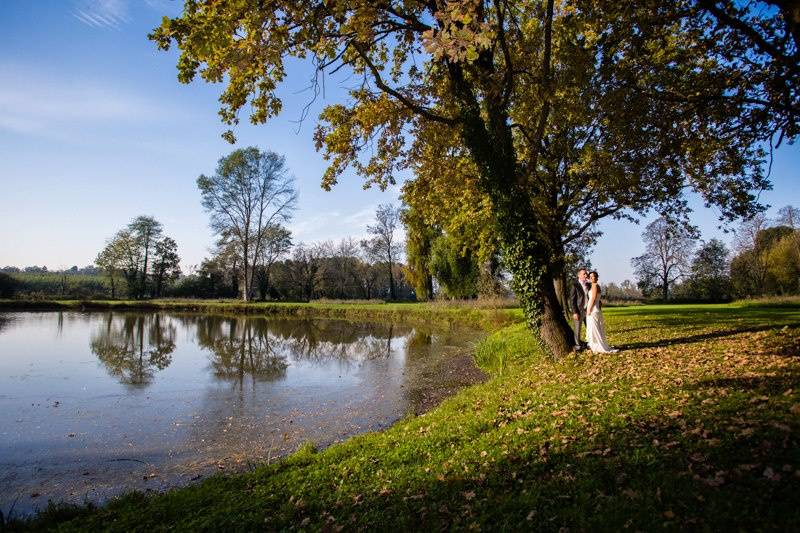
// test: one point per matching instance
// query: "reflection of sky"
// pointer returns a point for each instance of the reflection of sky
(351, 378)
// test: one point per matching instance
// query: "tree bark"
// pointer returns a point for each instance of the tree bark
(392, 290)
(527, 251)
(246, 269)
(560, 287)
(429, 287)
(143, 287)
(526, 257)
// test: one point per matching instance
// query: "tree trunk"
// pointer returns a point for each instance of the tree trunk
(528, 254)
(555, 330)
(143, 286)
(159, 283)
(533, 285)
(429, 287)
(392, 291)
(246, 273)
(560, 287)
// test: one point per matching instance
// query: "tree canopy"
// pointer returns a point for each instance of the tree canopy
(564, 112)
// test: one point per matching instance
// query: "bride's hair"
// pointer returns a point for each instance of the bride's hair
(593, 273)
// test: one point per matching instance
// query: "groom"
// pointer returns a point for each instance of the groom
(577, 305)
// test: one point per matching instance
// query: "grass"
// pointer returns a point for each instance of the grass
(694, 425)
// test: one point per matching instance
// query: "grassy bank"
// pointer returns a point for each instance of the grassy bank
(694, 425)
(482, 317)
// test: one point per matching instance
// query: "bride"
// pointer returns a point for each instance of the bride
(595, 324)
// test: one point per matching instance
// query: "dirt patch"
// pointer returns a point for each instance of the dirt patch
(444, 380)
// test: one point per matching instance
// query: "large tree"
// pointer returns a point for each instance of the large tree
(385, 245)
(143, 255)
(146, 232)
(710, 272)
(166, 264)
(569, 111)
(668, 250)
(250, 192)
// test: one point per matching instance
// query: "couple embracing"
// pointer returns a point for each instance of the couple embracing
(586, 307)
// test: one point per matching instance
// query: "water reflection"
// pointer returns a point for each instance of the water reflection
(259, 346)
(323, 341)
(132, 347)
(221, 391)
(241, 347)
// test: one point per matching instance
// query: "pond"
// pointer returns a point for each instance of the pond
(96, 404)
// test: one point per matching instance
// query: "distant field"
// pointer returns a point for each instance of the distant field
(55, 284)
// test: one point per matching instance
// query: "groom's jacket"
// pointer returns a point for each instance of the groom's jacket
(577, 298)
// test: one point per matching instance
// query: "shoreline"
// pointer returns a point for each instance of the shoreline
(460, 371)
(693, 425)
(486, 319)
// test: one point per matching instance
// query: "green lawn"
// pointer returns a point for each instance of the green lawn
(694, 425)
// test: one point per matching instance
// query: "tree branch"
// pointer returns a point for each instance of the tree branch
(403, 99)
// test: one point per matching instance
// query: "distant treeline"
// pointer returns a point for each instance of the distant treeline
(341, 270)
(313, 271)
(765, 260)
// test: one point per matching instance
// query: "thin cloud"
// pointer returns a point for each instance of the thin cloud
(103, 14)
(32, 103)
(334, 225)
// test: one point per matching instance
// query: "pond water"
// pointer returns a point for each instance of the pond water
(95, 404)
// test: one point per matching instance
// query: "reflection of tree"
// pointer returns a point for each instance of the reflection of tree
(241, 346)
(259, 346)
(133, 346)
(320, 340)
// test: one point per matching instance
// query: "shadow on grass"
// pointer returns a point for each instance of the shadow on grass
(689, 339)
(707, 469)
(651, 472)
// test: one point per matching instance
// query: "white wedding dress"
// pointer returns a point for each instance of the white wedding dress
(596, 328)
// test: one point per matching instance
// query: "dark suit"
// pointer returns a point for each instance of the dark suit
(577, 305)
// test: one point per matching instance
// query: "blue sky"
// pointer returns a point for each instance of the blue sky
(95, 130)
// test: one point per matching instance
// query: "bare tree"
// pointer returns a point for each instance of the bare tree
(250, 191)
(750, 255)
(789, 216)
(746, 235)
(385, 246)
(668, 248)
